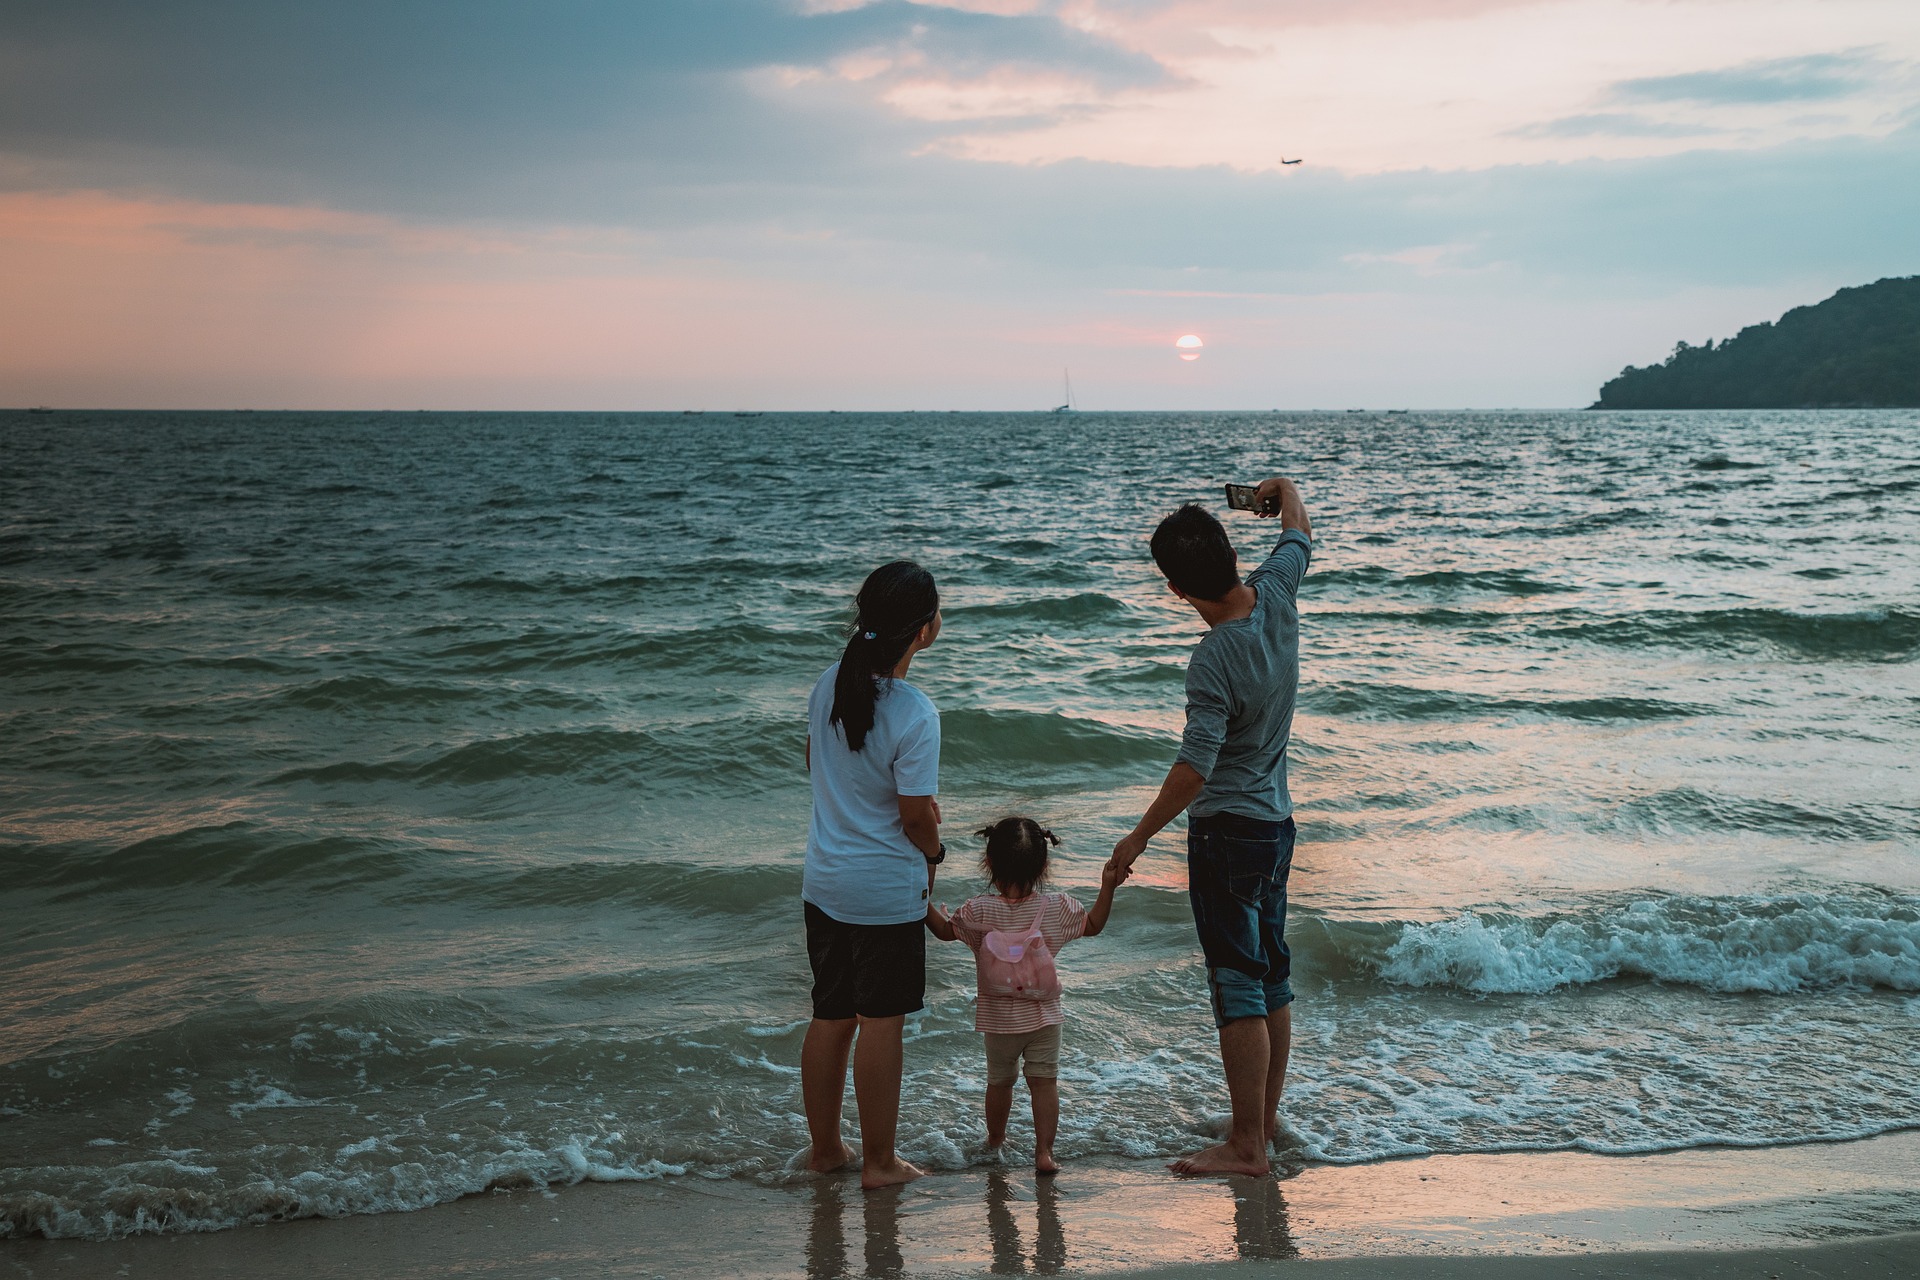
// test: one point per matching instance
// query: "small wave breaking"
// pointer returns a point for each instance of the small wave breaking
(1778, 945)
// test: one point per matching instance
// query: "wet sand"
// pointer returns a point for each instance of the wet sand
(1845, 1209)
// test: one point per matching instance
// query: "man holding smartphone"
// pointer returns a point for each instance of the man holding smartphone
(1232, 773)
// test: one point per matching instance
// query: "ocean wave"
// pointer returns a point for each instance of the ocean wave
(1082, 607)
(1043, 744)
(737, 648)
(698, 890)
(377, 695)
(1750, 944)
(170, 1197)
(234, 853)
(1881, 635)
(1399, 702)
(373, 693)
(715, 753)
(1443, 582)
(1690, 809)
(254, 581)
(26, 656)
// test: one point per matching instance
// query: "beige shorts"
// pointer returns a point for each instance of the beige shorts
(1040, 1048)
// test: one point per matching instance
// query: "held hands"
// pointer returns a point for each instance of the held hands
(1125, 853)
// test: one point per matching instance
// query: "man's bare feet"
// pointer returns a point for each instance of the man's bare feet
(1043, 1161)
(873, 1177)
(827, 1161)
(1224, 1158)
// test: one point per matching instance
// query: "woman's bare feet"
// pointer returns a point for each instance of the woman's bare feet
(1043, 1161)
(1225, 1158)
(826, 1161)
(892, 1174)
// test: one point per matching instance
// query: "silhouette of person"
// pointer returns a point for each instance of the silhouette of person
(1050, 1248)
(1009, 1257)
(1260, 1219)
(826, 1239)
(882, 1213)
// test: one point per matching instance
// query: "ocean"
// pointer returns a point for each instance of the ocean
(402, 805)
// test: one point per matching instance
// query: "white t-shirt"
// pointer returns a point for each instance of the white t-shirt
(861, 868)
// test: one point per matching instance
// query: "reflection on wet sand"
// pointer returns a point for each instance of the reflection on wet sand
(1010, 1258)
(1260, 1219)
(935, 1221)
(882, 1213)
(826, 1239)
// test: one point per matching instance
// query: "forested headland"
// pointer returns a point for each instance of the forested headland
(1858, 349)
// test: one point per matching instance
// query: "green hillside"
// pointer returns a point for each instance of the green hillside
(1858, 349)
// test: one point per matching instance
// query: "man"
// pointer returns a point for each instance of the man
(1232, 772)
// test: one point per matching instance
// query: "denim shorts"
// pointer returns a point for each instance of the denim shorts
(1237, 878)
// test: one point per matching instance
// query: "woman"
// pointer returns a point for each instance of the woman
(873, 754)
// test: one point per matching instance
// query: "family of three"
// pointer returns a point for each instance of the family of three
(873, 850)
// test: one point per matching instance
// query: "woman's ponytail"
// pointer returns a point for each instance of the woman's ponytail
(895, 601)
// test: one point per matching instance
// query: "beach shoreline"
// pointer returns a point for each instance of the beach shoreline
(1838, 1209)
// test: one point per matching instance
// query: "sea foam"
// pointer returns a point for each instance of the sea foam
(1780, 945)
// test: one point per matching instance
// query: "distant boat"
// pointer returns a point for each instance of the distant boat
(692, 413)
(41, 408)
(1068, 383)
(746, 415)
(1399, 411)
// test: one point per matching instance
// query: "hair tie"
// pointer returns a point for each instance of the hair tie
(868, 635)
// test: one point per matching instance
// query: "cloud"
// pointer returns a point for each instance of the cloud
(1611, 124)
(1815, 77)
(434, 106)
(357, 178)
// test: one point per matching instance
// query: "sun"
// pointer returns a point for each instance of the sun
(1188, 345)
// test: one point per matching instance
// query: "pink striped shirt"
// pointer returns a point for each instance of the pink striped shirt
(1062, 919)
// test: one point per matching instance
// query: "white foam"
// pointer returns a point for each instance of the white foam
(266, 1098)
(1776, 945)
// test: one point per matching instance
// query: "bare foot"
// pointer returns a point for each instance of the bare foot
(826, 1161)
(873, 1177)
(1043, 1162)
(993, 1143)
(1221, 1159)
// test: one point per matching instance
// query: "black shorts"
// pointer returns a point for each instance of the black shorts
(866, 970)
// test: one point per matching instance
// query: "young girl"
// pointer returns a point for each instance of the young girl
(1018, 1028)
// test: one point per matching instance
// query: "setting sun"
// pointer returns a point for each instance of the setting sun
(1189, 346)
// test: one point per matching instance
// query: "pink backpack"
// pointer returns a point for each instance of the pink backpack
(1017, 965)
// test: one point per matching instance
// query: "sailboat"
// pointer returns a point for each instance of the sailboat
(1068, 383)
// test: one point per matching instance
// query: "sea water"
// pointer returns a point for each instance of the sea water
(397, 806)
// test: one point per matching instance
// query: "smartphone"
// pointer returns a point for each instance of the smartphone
(1240, 497)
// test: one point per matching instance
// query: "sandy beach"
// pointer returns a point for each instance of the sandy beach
(1849, 1209)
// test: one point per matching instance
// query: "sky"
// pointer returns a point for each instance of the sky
(812, 204)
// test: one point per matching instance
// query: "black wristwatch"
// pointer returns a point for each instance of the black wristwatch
(936, 859)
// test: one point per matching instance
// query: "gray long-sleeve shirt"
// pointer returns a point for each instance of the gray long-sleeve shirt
(1241, 683)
